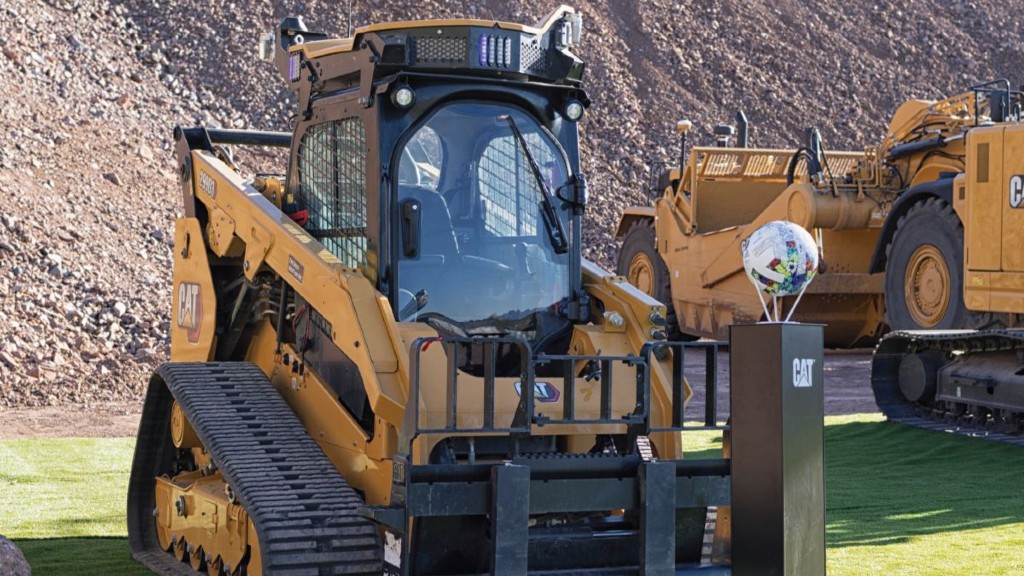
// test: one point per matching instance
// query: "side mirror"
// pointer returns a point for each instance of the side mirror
(410, 214)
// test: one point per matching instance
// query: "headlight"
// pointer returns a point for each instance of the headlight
(573, 110)
(403, 97)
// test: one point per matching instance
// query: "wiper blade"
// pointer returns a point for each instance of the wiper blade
(552, 223)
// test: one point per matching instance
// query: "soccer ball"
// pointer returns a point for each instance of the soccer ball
(780, 258)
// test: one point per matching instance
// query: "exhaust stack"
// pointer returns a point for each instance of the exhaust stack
(743, 128)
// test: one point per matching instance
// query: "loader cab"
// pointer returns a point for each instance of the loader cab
(441, 160)
(483, 205)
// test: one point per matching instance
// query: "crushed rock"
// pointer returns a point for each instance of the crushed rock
(87, 182)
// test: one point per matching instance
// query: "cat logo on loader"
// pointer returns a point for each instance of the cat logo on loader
(190, 310)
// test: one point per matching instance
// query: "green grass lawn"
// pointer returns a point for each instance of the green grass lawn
(900, 502)
(64, 504)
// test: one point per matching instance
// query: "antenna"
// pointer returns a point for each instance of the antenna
(349, 18)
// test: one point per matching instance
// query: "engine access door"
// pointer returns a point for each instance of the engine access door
(985, 199)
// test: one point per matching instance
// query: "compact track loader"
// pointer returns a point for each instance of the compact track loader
(391, 358)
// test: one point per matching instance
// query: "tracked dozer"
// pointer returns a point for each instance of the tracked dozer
(390, 358)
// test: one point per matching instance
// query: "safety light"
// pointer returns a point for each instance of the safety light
(403, 97)
(573, 110)
(494, 50)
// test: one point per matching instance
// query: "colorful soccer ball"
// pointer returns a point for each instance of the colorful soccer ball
(780, 258)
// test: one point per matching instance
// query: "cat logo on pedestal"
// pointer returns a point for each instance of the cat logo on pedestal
(190, 310)
(803, 369)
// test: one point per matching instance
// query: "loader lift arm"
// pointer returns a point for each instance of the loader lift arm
(272, 241)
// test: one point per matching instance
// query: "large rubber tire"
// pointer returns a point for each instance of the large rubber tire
(643, 267)
(924, 272)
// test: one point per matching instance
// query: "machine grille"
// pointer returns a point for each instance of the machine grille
(441, 50)
(722, 164)
(758, 164)
(766, 165)
(332, 187)
(982, 171)
(532, 56)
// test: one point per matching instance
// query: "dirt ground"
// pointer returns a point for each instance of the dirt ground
(847, 391)
(107, 419)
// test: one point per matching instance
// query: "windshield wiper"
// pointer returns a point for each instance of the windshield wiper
(552, 223)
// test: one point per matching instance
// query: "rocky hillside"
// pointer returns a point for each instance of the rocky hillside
(91, 89)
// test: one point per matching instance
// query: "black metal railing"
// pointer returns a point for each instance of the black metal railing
(711, 350)
(453, 346)
(669, 496)
(596, 367)
(657, 182)
(205, 138)
(482, 353)
(1004, 103)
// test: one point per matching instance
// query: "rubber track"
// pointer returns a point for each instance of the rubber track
(885, 371)
(301, 507)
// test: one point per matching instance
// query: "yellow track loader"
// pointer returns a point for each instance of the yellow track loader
(390, 358)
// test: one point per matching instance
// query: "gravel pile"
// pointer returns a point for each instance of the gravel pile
(91, 90)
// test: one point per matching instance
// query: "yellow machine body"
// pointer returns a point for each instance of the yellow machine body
(955, 268)
(853, 203)
(372, 339)
(728, 193)
(988, 199)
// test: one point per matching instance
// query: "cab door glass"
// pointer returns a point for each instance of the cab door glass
(484, 260)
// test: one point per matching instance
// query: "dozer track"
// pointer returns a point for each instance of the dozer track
(885, 369)
(301, 507)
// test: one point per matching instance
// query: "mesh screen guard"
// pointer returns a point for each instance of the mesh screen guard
(332, 187)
